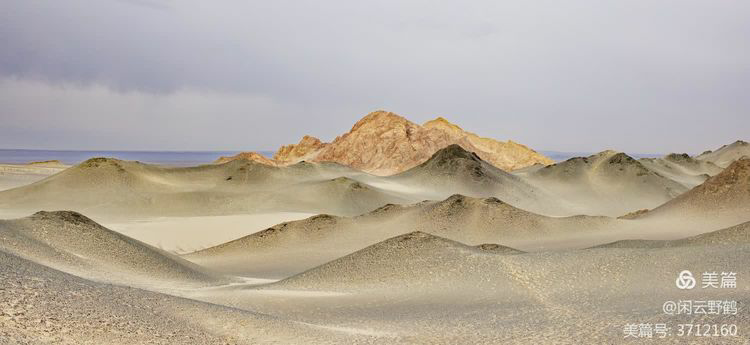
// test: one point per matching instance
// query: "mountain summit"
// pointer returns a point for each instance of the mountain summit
(507, 155)
(384, 143)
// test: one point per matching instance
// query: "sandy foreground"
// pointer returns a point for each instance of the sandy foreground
(451, 252)
(414, 288)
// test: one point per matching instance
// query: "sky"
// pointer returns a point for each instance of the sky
(579, 75)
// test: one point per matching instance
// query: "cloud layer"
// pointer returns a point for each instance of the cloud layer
(579, 75)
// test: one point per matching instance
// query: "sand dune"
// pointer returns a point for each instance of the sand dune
(682, 168)
(16, 175)
(608, 183)
(250, 156)
(71, 242)
(723, 200)
(104, 185)
(341, 196)
(725, 155)
(738, 234)
(475, 221)
(113, 188)
(292, 247)
(453, 170)
(454, 163)
(42, 305)
(427, 289)
(382, 265)
(431, 272)
(432, 261)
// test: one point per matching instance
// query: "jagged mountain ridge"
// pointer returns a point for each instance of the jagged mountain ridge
(384, 143)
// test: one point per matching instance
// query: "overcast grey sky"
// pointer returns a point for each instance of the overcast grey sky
(636, 75)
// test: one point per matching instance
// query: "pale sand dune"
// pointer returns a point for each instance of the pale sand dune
(422, 288)
(70, 242)
(352, 197)
(682, 168)
(725, 155)
(428, 260)
(187, 234)
(383, 264)
(292, 247)
(722, 201)
(453, 170)
(489, 269)
(110, 188)
(41, 305)
(17, 175)
(738, 234)
(608, 183)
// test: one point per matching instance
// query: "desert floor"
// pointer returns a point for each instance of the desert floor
(128, 253)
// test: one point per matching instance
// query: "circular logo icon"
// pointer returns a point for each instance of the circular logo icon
(685, 280)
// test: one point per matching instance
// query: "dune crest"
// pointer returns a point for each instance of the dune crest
(725, 197)
(407, 259)
(725, 155)
(682, 168)
(54, 163)
(608, 183)
(250, 156)
(735, 235)
(72, 242)
(454, 170)
(112, 188)
(295, 246)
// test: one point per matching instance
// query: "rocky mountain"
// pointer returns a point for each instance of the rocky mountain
(300, 151)
(384, 143)
(507, 155)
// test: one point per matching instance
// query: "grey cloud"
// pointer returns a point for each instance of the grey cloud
(574, 75)
(154, 4)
